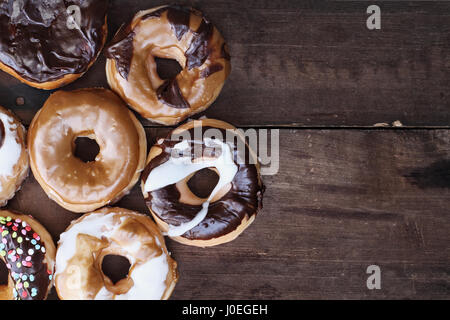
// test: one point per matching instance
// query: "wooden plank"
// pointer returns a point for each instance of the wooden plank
(309, 63)
(342, 200)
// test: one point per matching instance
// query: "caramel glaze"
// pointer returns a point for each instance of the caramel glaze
(37, 44)
(243, 200)
(2, 133)
(98, 114)
(172, 32)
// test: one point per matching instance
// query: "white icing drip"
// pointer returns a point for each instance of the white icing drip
(149, 280)
(149, 277)
(10, 150)
(176, 169)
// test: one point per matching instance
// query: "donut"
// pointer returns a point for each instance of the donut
(97, 114)
(233, 203)
(169, 32)
(13, 155)
(28, 251)
(114, 231)
(48, 44)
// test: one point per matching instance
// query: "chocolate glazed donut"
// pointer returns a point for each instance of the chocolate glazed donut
(28, 251)
(169, 32)
(229, 211)
(45, 45)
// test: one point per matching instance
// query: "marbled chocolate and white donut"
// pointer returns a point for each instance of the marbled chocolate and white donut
(233, 203)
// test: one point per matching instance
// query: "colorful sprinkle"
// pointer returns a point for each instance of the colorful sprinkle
(18, 244)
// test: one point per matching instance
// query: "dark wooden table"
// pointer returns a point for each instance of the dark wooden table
(353, 188)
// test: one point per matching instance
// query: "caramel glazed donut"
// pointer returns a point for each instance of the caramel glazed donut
(169, 32)
(114, 231)
(45, 45)
(13, 155)
(235, 200)
(97, 114)
(28, 251)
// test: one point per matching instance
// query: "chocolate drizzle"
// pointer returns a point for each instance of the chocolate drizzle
(24, 254)
(179, 19)
(198, 50)
(170, 93)
(121, 50)
(224, 52)
(2, 133)
(38, 45)
(211, 70)
(225, 215)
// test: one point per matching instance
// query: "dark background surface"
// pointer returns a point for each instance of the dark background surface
(349, 193)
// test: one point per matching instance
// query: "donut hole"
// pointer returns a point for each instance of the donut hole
(167, 68)
(203, 182)
(86, 149)
(115, 267)
(4, 273)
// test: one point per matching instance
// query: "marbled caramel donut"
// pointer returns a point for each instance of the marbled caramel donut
(114, 231)
(13, 155)
(98, 114)
(233, 203)
(28, 251)
(43, 44)
(170, 32)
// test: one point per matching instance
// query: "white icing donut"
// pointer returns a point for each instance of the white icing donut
(13, 155)
(11, 149)
(113, 231)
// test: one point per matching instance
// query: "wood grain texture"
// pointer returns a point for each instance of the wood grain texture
(342, 200)
(311, 63)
